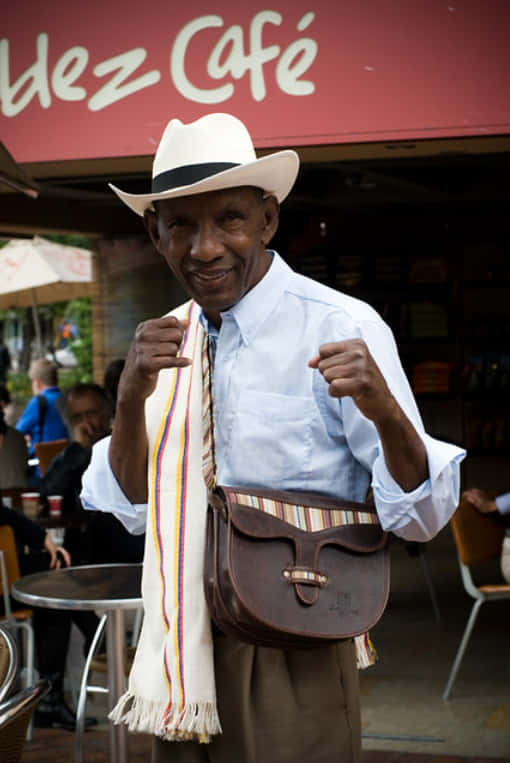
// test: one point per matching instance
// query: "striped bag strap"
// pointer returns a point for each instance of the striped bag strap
(208, 454)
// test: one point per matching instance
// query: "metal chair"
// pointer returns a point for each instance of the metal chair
(15, 716)
(8, 662)
(478, 538)
(46, 452)
(19, 619)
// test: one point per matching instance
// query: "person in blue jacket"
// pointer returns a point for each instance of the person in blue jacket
(41, 420)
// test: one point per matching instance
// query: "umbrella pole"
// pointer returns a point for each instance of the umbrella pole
(37, 325)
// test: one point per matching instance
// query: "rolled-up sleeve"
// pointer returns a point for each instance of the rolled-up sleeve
(503, 503)
(421, 513)
(102, 492)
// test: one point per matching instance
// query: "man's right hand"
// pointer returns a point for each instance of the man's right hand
(155, 346)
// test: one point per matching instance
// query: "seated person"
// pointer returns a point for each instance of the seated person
(28, 533)
(500, 505)
(51, 626)
(86, 410)
(13, 457)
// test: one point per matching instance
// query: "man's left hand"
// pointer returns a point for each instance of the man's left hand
(350, 370)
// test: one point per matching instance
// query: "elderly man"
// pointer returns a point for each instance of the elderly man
(309, 395)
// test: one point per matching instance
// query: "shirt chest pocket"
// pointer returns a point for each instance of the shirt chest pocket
(270, 441)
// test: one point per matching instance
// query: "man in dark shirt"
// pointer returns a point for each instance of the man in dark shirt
(100, 538)
(86, 410)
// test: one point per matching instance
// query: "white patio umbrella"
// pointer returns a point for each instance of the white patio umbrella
(38, 272)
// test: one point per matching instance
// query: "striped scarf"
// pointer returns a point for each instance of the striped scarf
(171, 691)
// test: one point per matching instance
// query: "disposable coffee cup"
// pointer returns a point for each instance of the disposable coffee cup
(30, 504)
(55, 505)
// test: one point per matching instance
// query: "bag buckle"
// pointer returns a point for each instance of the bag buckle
(305, 576)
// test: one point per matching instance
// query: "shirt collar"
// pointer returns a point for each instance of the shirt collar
(252, 310)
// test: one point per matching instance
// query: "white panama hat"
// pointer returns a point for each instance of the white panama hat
(212, 153)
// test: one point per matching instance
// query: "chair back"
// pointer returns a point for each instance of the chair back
(8, 662)
(9, 568)
(10, 554)
(15, 716)
(478, 537)
(46, 452)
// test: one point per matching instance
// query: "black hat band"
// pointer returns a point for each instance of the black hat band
(188, 174)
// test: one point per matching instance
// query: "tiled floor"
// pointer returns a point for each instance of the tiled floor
(404, 718)
(57, 747)
(401, 702)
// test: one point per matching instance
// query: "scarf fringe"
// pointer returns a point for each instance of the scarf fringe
(366, 656)
(197, 721)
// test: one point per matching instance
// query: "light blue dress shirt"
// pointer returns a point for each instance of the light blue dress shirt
(503, 503)
(277, 427)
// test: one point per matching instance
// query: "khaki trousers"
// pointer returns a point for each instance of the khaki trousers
(279, 706)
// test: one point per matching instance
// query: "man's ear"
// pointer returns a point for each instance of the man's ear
(150, 219)
(271, 218)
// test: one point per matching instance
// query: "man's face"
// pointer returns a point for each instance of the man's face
(89, 419)
(215, 243)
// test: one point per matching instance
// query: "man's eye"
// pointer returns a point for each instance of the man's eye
(233, 218)
(178, 222)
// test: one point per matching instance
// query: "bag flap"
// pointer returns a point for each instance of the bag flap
(355, 535)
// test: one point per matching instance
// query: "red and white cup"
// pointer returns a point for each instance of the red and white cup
(30, 504)
(55, 505)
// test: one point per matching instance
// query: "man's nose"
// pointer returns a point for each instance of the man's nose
(207, 244)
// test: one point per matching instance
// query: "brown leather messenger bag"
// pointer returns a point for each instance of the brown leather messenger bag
(289, 569)
(293, 569)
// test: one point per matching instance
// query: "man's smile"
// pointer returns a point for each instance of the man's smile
(211, 277)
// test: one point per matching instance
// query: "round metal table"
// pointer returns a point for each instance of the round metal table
(112, 587)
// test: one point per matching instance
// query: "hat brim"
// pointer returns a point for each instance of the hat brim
(275, 174)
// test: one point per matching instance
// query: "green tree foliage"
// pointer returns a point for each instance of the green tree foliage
(80, 312)
(77, 311)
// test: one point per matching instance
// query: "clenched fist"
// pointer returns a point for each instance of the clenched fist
(350, 370)
(155, 346)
